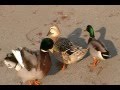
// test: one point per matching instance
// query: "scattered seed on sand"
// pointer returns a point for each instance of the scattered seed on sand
(45, 24)
(78, 23)
(55, 20)
(35, 12)
(39, 34)
(85, 35)
(60, 13)
(116, 14)
(64, 17)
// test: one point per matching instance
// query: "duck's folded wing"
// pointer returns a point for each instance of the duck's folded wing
(30, 51)
(63, 44)
(98, 46)
(18, 57)
(30, 58)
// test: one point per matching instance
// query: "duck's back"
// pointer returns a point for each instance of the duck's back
(65, 51)
(62, 44)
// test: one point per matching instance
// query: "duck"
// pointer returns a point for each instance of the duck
(63, 49)
(97, 48)
(31, 66)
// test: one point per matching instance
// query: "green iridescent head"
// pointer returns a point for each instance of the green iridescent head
(90, 30)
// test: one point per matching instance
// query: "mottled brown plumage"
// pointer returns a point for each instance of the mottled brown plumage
(63, 49)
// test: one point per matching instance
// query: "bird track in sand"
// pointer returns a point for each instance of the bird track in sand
(32, 40)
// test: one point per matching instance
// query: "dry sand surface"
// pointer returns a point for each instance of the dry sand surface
(17, 22)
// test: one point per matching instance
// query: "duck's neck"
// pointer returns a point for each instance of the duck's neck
(91, 33)
(43, 50)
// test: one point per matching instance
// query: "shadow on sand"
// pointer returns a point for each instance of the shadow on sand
(75, 38)
(54, 69)
(108, 43)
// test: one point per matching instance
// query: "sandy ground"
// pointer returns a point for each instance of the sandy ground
(34, 21)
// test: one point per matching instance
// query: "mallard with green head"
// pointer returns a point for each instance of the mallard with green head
(63, 49)
(31, 66)
(97, 49)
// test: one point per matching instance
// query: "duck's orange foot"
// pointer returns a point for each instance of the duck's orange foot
(36, 82)
(62, 66)
(33, 82)
(94, 64)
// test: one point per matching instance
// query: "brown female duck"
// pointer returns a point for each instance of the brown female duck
(63, 49)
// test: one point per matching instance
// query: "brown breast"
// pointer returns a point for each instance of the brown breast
(45, 62)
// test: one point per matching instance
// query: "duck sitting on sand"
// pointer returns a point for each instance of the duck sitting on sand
(63, 49)
(31, 66)
(97, 49)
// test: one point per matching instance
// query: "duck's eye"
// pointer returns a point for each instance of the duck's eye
(51, 28)
(8, 65)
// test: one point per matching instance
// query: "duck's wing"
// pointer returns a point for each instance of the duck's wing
(30, 51)
(18, 57)
(63, 44)
(29, 57)
(98, 45)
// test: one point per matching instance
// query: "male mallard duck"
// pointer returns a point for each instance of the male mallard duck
(63, 49)
(97, 48)
(31, 66)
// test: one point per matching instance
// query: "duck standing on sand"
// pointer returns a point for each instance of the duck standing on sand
(31, 66)
(63, 49)
(97, 49)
